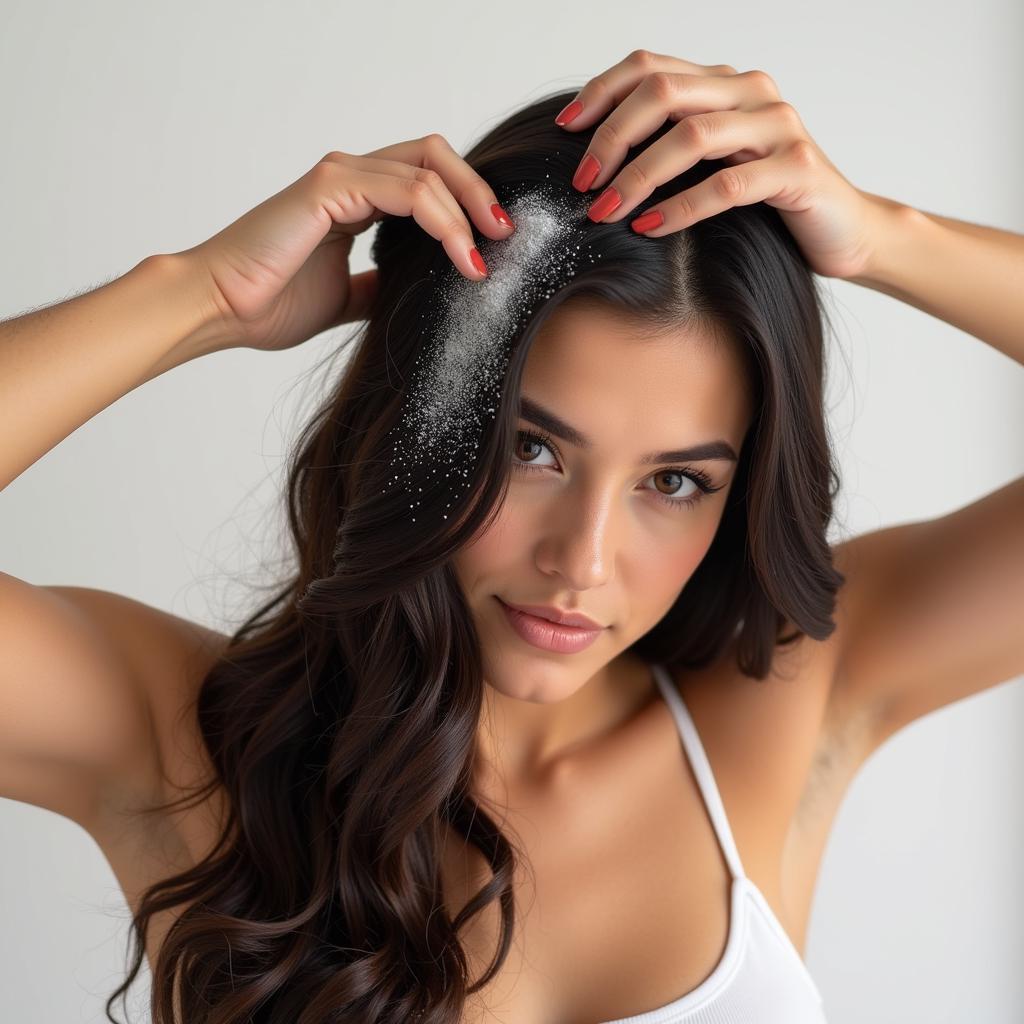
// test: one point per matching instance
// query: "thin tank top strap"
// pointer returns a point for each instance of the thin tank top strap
(701, 768)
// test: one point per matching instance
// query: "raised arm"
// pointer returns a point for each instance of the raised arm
(61, 365)
(87, 677)
(932, 612)
(74, 707)
(969, 275)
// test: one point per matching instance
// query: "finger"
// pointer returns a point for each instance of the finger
(773, 178)
(362, 290)
(352, 187)
(440, 189)
(469, 188)
(662, 96)
(707, 136)
(404, 170)
(610, 87)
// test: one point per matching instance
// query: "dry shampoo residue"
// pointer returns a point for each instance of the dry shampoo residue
(459, 373)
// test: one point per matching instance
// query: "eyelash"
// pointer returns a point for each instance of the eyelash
(699, 477)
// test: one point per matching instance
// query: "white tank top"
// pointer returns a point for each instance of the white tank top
(761, 976)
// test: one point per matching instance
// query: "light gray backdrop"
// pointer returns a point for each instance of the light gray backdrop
(130, 129)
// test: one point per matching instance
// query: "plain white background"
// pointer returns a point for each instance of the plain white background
(130, 129)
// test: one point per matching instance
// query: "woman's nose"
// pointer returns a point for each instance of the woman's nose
(579, 543)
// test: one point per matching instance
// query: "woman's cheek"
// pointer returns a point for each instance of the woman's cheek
(494, 546)
(672, 565)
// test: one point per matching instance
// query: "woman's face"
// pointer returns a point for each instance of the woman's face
(588, 524)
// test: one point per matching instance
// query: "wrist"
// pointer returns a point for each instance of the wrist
(900, 236)
(185, 299)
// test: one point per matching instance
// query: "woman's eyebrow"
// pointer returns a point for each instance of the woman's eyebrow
(544, 418)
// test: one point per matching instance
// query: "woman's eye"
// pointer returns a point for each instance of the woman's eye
(680, 497)
(525, 440)
(680, 493)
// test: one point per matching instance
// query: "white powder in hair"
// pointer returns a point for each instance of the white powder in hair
(460, 371)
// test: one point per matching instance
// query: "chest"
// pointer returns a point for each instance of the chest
(622, 892)
(624, 904)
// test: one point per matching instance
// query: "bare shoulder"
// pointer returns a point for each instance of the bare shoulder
(88, 680)
(169, 656)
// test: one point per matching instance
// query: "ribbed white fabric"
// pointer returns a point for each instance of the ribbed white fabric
(761, 978)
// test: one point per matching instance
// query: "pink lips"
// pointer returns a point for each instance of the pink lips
(555, 615)
(547, 635)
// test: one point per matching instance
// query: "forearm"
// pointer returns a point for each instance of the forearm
(61, 365)
(966, 274)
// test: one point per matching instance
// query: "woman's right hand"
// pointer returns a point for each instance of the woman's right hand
(279, 274)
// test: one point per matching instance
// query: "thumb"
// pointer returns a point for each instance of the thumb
(362, 290)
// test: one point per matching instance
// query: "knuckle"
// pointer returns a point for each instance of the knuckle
(335, 156)
(608, 133)
(696, 129)
(641, 58)
(785, 112)
(761, 81)
(725, 69)
(803, 153)
(436, 144)
(729, 184)
(430, 177)
(419, 189)
(324, 173)
(685, 207)
(639, 176)
(661, 84)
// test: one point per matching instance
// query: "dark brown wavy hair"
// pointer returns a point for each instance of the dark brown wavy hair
(341, 719)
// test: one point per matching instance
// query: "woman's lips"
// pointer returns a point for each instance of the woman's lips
(548, 636)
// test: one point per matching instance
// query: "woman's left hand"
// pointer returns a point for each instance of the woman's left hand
(720, 114)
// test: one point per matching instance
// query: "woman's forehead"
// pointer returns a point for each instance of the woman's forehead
(590, 353)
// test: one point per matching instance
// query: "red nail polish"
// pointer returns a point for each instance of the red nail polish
(501, 216)
(571, 111)
(646, 221)
(478, 260)
(607, 201)
(585, 174)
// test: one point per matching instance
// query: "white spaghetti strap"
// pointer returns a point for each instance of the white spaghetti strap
(701, 768)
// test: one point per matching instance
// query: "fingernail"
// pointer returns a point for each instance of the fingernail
(478, 260)
(646, 221)
(585, 174)
(571, 111)
(501, 216)
(607, 201)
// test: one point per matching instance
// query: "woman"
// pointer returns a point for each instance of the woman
(552, 719)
